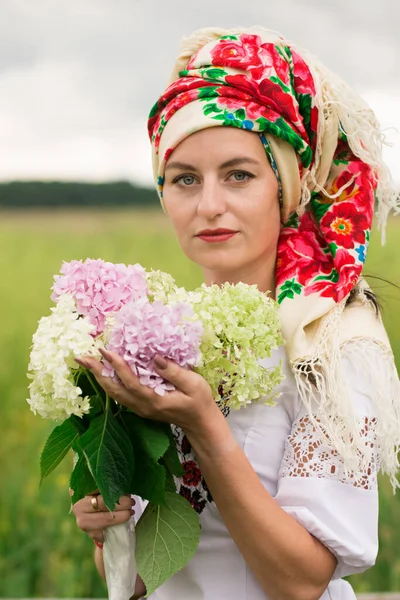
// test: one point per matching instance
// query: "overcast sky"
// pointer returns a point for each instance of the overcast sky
(78, 77)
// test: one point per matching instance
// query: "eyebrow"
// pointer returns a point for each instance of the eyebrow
(233, 162)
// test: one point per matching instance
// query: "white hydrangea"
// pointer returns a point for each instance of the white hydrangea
(60, 338)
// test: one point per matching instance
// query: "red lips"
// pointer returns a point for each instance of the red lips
(216, 235)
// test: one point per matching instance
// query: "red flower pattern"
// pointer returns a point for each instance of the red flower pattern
(344, 225)
(300, 253)
(193, 486)
(270, 95)
(304, 251)
(192, 476)
(303, 79)
(348, 270)
(243, 53)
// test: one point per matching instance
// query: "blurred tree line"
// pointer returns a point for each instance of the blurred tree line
(24, 194)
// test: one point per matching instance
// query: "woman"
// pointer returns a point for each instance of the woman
(268, 165)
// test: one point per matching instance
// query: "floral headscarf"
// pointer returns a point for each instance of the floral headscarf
(324, 143)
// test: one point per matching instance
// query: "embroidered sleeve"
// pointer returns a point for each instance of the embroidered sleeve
(307, 455)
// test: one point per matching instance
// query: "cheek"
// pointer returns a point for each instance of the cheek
(180, 219)
(265, 219)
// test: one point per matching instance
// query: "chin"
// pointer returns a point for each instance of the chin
(218, 259)
(219, 265)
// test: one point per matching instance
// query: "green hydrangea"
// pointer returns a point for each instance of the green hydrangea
(160, 286)
(241, 327)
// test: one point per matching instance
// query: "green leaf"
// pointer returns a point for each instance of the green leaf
(214, 73)
(334, 277)
(81, 481)
(333, 248)
(285, 294)
(109, 453)
(153, 435)
(263, 122)
(293, 220)
(56, 447)
(150, 441)
(166, 539)
(240, 114)
(210, 108)
(208, 92)
(79, 424)
(320, 208)
(171, 457)
(170, 485)
(289, 289)
(281, 84)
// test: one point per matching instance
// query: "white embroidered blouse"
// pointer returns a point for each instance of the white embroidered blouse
(305, 477)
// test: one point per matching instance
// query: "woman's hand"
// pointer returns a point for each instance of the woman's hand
(191, 406)
(93, 518)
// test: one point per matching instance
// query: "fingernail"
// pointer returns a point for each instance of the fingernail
(83, 363)
(106, 354)
(132, 511)
(160, 362)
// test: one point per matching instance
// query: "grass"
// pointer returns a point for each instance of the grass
(42, 551)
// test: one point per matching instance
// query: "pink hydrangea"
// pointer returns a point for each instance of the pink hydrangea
(143, 329)
(100, 288)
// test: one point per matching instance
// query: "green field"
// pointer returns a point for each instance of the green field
(42, 553)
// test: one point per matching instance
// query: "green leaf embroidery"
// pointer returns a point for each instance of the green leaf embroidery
(334, 277)
(210, 108)
(213, 73)
(281, 84)
(56, 447)
(320, 208)
(166, 539)
(293, 221)
(81, 481)
(109, 453)
(333, 248)
(240, 114)
(208, 91)
(289, 289)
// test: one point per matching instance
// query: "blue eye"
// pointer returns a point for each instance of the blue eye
(241, 176)
(185, 180)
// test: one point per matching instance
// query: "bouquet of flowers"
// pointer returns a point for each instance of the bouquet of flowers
(221, 332)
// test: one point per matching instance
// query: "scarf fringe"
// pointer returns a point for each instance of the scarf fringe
(320, 383)
(334, 97)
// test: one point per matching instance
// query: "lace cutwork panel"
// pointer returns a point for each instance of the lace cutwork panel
(307, 455)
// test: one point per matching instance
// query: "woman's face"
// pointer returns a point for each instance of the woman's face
(222, 197)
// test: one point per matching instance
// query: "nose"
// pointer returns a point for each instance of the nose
(212, 202)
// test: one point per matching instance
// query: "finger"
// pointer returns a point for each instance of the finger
(184, 380)
(128, 378)
(95, 522)
(97, 536)
(114, 389)
(124, 503)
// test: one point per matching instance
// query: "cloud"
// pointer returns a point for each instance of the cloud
(77, 79)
